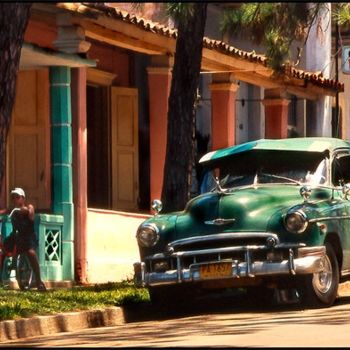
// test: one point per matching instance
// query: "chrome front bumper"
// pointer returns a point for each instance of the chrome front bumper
(309, 260)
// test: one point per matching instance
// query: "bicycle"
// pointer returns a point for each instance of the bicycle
(11, 260)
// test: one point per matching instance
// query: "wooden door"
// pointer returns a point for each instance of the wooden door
(124, 148)
(29, 138)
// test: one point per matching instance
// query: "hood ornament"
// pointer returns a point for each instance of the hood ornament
(219, 221)
(218, 186)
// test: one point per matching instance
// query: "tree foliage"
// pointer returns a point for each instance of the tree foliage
(181, 11)
(274, 25)
(341, 14)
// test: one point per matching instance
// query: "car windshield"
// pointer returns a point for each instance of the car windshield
(266, 166)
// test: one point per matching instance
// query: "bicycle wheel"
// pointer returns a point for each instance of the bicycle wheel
(24, 272)
(5, 272)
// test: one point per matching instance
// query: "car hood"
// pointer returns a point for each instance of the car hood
(244, 209)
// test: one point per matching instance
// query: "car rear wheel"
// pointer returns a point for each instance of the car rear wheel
(320, 289)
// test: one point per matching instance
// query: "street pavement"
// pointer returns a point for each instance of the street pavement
(77, 321)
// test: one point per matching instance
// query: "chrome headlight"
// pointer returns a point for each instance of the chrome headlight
(147, 235)
(296, 221)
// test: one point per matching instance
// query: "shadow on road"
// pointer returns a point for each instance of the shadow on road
(214, 303)
(210, 318)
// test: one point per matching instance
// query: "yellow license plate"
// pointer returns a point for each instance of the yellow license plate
(216, 270)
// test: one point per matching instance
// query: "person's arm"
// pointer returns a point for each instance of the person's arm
(28, 210)
(31, 212)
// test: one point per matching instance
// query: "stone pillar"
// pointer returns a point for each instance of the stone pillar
(276, 114)
(159, 82)
(70, 38)
(80, 171)
(61, 128)
(223, 117)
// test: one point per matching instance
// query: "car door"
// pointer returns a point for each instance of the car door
(341, 207)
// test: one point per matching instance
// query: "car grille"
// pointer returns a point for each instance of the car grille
(224, 246)
(239, 241)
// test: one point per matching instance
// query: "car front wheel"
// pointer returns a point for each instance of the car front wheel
(320, 289)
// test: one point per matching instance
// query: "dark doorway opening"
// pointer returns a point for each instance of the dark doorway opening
(98, 157)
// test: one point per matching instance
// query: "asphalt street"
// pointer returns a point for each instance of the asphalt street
(214, 322)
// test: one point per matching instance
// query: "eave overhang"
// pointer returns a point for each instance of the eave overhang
(33, 57)
(121, 29)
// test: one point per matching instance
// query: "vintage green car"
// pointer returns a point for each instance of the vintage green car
(274, 216)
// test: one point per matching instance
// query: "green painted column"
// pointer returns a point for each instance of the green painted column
(62, 185)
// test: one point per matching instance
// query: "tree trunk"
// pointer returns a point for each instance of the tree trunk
(13, 22)
(181, 111)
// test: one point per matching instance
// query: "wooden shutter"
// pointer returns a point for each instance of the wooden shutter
(124, 148)
(29, 138)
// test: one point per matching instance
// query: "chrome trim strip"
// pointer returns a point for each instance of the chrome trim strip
(219, 221)
(291, 262)
(310, 262)
(330, 218)
(222, 236)
(218, 250)
(179, 274)
(311, 251)
(249, 264)
(306, 265)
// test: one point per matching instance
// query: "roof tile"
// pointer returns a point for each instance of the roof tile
(100, 8)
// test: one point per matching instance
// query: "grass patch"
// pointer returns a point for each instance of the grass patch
(16, 304)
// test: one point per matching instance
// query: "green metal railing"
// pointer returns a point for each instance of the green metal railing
(49, 230)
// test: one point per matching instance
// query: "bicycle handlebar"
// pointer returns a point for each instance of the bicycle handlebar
(13, 211)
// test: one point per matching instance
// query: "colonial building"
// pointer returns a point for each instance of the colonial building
(89, 124)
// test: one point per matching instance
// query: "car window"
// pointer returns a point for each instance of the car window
(262, 166)
(319, 176)
(341, 170)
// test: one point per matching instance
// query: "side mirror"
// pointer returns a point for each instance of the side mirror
(156, 206)
(346, 190)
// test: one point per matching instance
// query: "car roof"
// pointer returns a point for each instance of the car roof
(306, 144)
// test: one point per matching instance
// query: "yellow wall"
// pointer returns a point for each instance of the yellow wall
(111, 245)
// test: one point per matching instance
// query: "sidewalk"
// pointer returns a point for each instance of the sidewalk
(72, 321)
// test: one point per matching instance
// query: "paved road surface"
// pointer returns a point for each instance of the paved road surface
(223, 322)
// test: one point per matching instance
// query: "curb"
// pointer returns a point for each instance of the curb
(64, 322)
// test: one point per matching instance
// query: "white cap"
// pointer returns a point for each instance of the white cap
(18, 191)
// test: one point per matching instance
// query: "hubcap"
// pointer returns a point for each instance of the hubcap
(322, 281)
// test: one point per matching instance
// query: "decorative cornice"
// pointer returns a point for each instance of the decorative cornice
(101, 77)
(159, 70)
(223, 87)
(276, 102)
